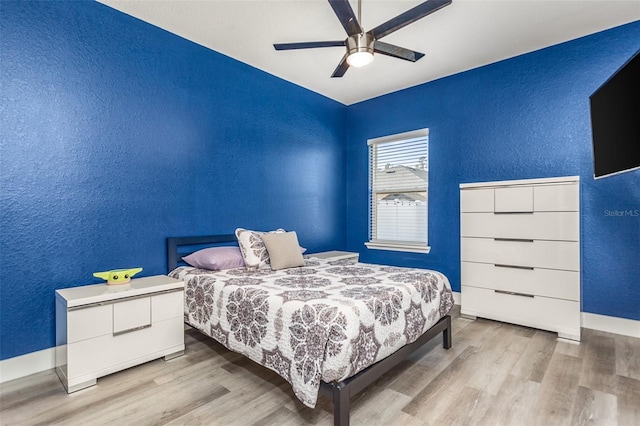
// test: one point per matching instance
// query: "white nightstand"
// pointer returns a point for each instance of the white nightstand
(101, 329)
(335, 255)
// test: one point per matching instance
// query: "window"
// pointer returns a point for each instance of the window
(398, 192)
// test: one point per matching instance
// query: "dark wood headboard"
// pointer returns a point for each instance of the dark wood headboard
(176, 246)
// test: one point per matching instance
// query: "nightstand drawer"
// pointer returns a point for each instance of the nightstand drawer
(87, 323)
(131, 315)
(110, 353)
(168, 305)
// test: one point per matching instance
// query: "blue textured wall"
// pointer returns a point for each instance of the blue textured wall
(526, 117)
(116, 134)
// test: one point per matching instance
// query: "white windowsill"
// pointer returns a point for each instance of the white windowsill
(397, 247)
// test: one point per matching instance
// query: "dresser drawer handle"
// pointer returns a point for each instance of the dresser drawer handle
(528, 268)
(516, 240)
(118, 333)
(512, 212)
(513, 293)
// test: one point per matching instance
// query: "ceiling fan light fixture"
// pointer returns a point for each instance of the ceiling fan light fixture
(360, 59)
(360, 50)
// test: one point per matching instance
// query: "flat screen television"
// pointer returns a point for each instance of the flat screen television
(615, 121)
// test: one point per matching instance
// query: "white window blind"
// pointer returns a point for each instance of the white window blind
(398, 188)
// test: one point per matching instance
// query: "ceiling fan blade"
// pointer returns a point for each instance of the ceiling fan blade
(342, 67)
(408, 17)
(345, 15)
(308, 45)
(396, 51)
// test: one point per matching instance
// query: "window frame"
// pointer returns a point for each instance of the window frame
(387, 244)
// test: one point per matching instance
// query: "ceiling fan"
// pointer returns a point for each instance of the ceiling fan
(360, 45)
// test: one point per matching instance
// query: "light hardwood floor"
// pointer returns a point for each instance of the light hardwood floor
(495, 374)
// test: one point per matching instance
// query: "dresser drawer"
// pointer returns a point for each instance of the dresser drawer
(553, 198)
(562, 316)
(541, 282)
(537, 226)
(513, 200)
(476, 200)
(532, 253)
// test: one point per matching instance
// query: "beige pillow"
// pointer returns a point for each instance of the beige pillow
(284, 250)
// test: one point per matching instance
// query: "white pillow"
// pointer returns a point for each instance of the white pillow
(254, 252)
(284, 250)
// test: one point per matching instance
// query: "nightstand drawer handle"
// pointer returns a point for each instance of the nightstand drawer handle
(513, 293)
(499, 265)
(118, 333)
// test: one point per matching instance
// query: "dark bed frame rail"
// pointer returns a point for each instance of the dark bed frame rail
(339, 392)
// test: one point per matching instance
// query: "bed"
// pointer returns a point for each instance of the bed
(328, 327)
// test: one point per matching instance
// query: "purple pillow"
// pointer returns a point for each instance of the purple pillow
(216, 258)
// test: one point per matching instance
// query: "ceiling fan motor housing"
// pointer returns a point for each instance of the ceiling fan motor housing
(360, 49)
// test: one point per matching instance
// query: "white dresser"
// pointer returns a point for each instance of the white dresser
(101, 329)
(520, 253)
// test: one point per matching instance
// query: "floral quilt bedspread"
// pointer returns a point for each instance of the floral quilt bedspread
(325, 321)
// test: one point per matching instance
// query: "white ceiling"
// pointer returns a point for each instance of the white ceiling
(464, 35)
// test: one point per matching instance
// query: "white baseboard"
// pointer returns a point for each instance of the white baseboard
(27, 364)
(35, 362)
(624, 326)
